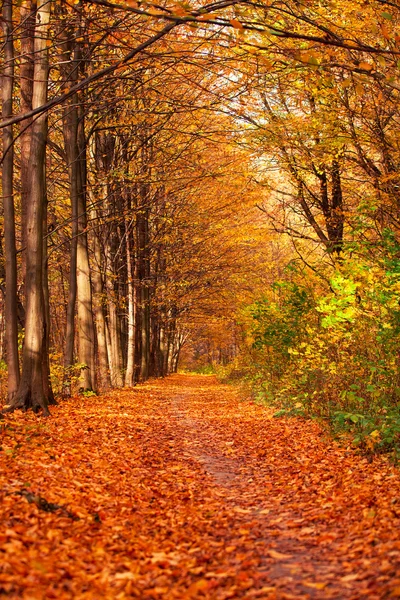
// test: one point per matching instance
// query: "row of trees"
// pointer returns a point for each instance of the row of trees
(117, 229)
(135, 137)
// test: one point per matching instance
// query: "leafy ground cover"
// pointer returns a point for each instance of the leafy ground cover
(181, 489)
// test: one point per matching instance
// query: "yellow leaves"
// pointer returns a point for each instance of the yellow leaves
(310, 58)
(359, 89)
(381, 61)
(155, 12)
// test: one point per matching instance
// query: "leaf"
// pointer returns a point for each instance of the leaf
(387, 16)
(278, 555)
(315, 585)
(206, 16)
(359, 89)
(198, 586)
(236, 24)
(366, 66)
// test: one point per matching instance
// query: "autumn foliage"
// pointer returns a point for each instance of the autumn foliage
(200, 188)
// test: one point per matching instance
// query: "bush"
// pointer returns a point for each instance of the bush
(334, 352)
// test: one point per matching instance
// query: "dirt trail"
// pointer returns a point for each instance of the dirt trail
(180, 489)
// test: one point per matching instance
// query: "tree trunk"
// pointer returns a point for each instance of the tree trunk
(8, 206)
(30, 391)
(144, 277)
(114, 328)
(27, 11)
(69, 70)
(130, 363)
(86, 348)
(70, 125)
(98, 305)
(47, 387)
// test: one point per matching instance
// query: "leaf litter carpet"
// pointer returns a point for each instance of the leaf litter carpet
(180, 489)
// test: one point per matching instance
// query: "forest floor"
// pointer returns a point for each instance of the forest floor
(180, 489)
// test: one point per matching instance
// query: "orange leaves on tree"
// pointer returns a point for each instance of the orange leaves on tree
(236, 24)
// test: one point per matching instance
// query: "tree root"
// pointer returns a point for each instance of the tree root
(26, 399)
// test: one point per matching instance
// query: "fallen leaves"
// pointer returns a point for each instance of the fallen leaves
(278, 555)
(134, 495)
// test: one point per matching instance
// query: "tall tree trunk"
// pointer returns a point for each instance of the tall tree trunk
(113, 324)
(98, 306)
(8, 206)
(30, 391)
(70, 129)
(86, 338)
(130, 363)
(47, 387)
(104, 381)
(27, 11)
(144, 277)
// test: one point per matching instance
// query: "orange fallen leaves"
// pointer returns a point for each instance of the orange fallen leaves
(133, 495)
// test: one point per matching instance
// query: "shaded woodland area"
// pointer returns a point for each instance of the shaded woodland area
(219, 180)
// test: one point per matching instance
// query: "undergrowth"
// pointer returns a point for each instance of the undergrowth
(331, 352)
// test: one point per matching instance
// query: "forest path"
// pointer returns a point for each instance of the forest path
(180, 489)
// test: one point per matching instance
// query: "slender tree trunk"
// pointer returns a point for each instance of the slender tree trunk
(47, 387)
(86, 338)
(101, 154)
(70, 128)
(98, 307)
(8, 207)
(27, 11)
(137, 296)
(70, 64)
(162, 352)
(114, 330)
(144, 291)
(30, 392)
(130, 363)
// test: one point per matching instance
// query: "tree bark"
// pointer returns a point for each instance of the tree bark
(30, 391)
(8, 206)
(144, 277)
(86, 348)
(104, 374)
(47, 387)
(27, 11)
(130, 362)
(70, 133)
